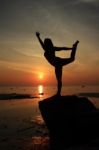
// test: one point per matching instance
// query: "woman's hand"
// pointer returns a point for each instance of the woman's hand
(37, 34)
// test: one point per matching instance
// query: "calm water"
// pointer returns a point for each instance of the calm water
(31, 105)
(50, 90)
(21, 119)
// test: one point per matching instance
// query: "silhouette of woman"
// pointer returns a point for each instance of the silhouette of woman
(57, 62)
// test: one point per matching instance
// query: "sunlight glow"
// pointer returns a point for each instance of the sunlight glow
(41, 76)
(40, 90)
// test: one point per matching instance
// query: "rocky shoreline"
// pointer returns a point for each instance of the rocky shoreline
(11, 96)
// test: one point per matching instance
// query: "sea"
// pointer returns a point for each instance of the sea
(20, 119)
(41, 92)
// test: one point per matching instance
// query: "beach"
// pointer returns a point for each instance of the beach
(21, 124)
(20, 121)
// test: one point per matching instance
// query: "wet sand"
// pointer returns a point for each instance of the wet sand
(21, 125)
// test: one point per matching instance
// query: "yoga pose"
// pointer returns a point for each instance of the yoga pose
(57, 62)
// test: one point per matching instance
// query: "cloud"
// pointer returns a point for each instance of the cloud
(89, 1)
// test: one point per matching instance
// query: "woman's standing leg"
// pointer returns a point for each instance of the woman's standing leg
(60, 63)
(58, 73)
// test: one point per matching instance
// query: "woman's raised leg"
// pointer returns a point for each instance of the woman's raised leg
(74, 50)
(65, 61)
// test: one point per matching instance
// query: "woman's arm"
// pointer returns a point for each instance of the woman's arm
(62, 48)
(41, 42)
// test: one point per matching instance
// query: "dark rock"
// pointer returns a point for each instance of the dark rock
(11, 96)
(71, 120)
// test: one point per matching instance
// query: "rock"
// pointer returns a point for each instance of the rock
(12, 96)
(71, 120)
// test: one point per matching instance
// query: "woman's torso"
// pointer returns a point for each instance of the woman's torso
(50, 56)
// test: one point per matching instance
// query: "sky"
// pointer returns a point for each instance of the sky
(22, 59)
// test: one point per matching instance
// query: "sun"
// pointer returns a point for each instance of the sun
(41, 76)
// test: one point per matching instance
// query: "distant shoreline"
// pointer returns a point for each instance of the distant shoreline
(92, 94)
(12, 96)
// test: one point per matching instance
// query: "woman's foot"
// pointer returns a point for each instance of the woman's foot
(58, 94)
(76, 43)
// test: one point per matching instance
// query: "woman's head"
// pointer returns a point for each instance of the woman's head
(48, 43)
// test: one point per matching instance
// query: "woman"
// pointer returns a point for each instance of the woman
(57, 62)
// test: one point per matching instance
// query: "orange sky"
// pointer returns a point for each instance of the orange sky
(21, 56)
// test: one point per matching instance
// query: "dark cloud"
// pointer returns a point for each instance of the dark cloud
(24, 16)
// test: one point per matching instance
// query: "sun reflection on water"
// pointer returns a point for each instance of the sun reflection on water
(41, 90)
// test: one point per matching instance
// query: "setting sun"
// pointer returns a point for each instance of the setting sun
(41, 76)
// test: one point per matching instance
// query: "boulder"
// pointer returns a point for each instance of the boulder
(71, 120)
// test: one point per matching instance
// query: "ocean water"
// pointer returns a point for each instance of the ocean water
(49, 91)
(20, 119)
